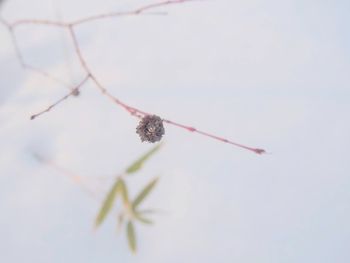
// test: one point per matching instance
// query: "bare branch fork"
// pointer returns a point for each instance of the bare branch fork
(71, 27)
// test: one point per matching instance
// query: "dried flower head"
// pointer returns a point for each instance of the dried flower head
(150, 128)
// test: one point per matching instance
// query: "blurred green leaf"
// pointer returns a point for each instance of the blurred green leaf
(143, 194)
(108, 203)
(131, 236)
(137, 165)
(124, 192)
(142, 219)
(151, 211)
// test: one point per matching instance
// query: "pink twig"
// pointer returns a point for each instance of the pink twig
(47, 75)
(192, 129)
(72, 93)
(77, 179)
(16, 47)
(138, 11)
(132, 110)
(104, 91)
(26, 66)
(37, 22)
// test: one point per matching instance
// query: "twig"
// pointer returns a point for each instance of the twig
(47, 75)
(192, 129)
(38, 22)
(77, 179)
(73, 92)
(132, 110)
(137, 11)
(25, 65)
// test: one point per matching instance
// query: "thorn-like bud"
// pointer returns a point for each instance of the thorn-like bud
(76, 92)
(259, 151)
(150, 128)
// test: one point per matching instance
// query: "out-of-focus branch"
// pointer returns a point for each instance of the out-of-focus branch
(27, 66)
(84, 183)
(77, 179)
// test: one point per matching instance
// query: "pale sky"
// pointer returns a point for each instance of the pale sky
(270, 74)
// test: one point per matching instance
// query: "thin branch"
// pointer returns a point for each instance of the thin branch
(192, 129)
(16, 47)
(132, 110)
(160, 4)
(47, 75)
(38, 22)
(77, 179)
(137, 11)
(29, 67)
(72, 93)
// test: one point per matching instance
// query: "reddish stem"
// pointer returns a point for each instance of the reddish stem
(72, 93)
(132, 110)
(192, 129)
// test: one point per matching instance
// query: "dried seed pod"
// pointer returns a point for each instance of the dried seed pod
(150, 128)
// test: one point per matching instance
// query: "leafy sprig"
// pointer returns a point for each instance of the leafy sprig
(130, 212)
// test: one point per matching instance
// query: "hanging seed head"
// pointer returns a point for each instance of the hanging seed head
(150, 128)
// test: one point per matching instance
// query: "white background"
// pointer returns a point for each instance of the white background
(270, 74)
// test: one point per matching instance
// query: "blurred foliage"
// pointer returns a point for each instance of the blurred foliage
(108, 203)
(137, 165)
(131, 236)
(144, 193)
(129, 212)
